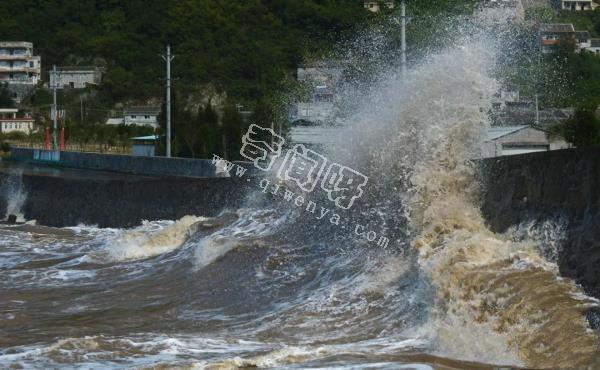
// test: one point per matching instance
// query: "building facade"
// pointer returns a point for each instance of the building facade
(375, 6)
(499, 11)
(594, 46)
(322, 79)
(144, 146)
(578, 5)
(512, 140)
(76, 77)
(552, 34)
(583, 40)
(11, 122)
(19, 68)
(143, 116)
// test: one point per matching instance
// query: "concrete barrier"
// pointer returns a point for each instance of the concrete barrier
(561, 184)
(149, 166)
(65, 197)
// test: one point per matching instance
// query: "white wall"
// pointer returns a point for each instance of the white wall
(11, 126)
(141, 120)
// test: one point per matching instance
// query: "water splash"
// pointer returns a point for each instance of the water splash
(14, 194)
(148, 240)
(498, 300)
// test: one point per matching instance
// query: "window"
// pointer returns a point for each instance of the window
(147, 117)
(30, 64)
(72, 84)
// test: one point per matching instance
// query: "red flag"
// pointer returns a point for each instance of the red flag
(47, 138)
(62, 137)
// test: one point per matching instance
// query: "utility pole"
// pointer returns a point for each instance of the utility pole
(403, 36)
(537, 110)
(168, 58)
(54, 112)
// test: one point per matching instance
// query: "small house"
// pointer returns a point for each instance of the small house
(594, 46)
(76, 77)
(511, 140)
(144, 146)
(143, 116)
(11, 122)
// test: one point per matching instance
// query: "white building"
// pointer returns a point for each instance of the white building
(503, 97)
(19, 68)
(594, 46)
(511, 140)
(10, 122)
(375, 6)
(583, 39)
(315, 135)
(76, 77)
(143, 116)
(578, 5)
(499, 11)
(319, 108)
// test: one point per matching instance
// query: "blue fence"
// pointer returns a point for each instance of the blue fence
(153, 166)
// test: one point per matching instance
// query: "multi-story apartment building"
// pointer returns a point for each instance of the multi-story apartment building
(19, 68)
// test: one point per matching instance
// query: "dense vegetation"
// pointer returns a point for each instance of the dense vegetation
(242, 47)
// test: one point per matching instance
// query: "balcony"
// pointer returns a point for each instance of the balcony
(19, 69)
(15, 56)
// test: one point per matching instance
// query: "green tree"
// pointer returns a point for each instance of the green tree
(208, 121)
(6, 100)
(233, 128)
(582, 129)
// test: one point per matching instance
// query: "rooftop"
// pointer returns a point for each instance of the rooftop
(15, 44)
(557, 27)
(142, 111)
(494, 133)
(77, 68)
(145, 138)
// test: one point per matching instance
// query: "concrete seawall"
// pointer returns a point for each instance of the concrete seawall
(538, 186)
(65, 197)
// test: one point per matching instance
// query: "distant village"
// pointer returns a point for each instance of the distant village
(518, 124)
